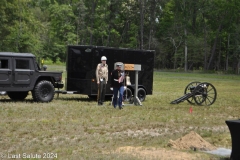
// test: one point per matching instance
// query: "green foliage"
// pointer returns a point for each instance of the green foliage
(209, 29)
(50, 62)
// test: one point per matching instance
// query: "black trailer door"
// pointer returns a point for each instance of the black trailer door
(5, 72)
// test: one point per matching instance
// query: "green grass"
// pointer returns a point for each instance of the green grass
(76, 128)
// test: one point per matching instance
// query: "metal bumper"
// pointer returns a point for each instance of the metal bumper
(59, 85)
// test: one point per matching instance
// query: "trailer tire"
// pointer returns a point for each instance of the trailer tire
(127, 95)
(141, 94)
(92, 97)
(43, 91)
(17, 96)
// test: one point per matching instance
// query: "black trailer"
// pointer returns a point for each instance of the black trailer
(82, 62)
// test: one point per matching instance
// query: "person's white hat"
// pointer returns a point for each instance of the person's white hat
(119, 64)
(103, 58)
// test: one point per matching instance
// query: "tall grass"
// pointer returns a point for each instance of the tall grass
(74, 127)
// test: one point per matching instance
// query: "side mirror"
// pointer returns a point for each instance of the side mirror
(44, 67)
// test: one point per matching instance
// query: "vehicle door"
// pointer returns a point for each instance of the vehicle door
(23, 71)
(5, 72)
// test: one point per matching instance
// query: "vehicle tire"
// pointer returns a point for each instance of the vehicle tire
(43, 91)
(92, 97)
(141, 94)
(17, 96)
(127, 95)
(33, 96)
(108, 97)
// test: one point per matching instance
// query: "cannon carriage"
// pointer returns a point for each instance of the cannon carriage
(198, 93)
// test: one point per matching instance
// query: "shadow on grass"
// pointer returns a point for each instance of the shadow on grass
(75, 99)
(225, 158)
(82, 99)
(10, 101)
(61, 99)
(85, 99)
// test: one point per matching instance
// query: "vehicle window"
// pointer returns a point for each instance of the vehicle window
(3, 63)
(22, 64)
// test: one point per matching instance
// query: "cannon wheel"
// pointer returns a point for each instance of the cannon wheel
(205, 94)
(187, 90)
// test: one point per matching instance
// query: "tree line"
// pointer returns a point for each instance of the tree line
(186, 34)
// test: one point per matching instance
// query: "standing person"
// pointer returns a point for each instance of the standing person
(118, 85)
(102, 78)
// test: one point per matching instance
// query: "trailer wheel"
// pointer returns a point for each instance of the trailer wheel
(127, 95)
(141, 94)
(92, 97)
(43, 91)
(17, 96)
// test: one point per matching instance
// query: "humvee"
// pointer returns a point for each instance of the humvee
(20, 73)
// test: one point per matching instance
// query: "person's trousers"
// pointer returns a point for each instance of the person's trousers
(101, 91)
(117, 99)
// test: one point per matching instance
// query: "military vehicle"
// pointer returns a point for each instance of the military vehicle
(20, 73)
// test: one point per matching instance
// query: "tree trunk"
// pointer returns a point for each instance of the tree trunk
(205, 48)
(112, 9)
(175, 60)
(94, 4)
(141, 21)
(186, 53)
(238, 65)
(219, 60)
(227, 53)
(194, 16)
(214, 48)
(151, 22)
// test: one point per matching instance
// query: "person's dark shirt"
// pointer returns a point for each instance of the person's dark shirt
(115, 75)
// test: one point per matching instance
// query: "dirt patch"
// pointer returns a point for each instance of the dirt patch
(157, 153)
(191, 141)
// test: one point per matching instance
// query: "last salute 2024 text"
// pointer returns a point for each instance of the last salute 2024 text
(32, 155)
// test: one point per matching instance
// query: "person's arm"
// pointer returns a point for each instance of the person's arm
(112, 78)
(107, 74)
(121, 78)
(97, 76)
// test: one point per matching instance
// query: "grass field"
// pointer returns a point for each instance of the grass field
(73, 127)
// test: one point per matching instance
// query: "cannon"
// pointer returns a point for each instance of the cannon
(198, 93)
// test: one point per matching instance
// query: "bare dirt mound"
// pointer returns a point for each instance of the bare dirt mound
(152, 153)
(191, 141)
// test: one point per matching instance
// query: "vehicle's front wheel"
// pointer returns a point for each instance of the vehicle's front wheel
(43, 92)
(17, 96)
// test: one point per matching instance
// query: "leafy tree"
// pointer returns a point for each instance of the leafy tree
(62, 30)
(18, 27)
